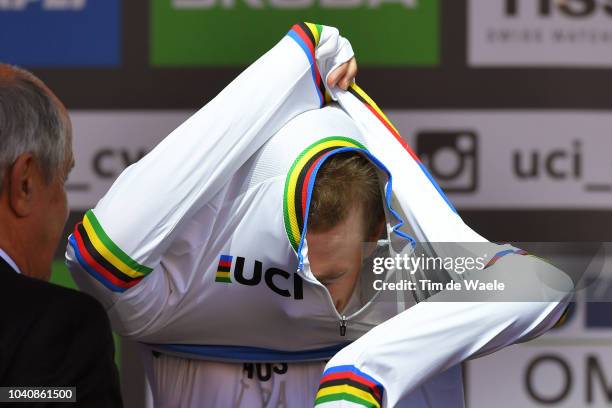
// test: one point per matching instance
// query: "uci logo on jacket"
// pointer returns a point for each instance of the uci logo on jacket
(246, 273)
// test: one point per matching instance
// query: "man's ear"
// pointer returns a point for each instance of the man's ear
(22, 178)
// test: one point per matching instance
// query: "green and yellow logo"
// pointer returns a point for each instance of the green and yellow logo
(236, 32)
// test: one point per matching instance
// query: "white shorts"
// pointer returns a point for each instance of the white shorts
(185, 383)
(180, 382)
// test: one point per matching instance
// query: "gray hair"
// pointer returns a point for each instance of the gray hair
(31, 121)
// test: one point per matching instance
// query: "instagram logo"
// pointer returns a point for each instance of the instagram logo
(451, 157)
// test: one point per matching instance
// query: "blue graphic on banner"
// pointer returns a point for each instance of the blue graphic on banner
(60, 33)
(598, 315)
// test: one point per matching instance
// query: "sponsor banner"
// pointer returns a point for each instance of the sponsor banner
(565, 368)
(515, 159)
(229, 32)
(107, 142)
(50, 33)
(540, 33)
(481, 159)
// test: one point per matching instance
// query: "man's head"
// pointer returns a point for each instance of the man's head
(35, 159)
(346, 212)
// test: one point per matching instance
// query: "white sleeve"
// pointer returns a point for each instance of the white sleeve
(391, 360)
(122, 240)
(396, 357)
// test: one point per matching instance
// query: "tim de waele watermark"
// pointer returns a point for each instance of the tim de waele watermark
(412, 264)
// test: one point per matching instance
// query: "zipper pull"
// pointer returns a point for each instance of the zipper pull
(343, 326)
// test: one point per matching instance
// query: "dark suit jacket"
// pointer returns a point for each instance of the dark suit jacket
(53, 336)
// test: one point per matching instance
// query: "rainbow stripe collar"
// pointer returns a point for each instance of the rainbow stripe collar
(300, 177)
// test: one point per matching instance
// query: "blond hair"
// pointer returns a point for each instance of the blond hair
(345, 180)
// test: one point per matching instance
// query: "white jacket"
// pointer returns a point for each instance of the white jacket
(198, 249)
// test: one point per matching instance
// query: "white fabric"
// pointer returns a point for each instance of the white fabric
(181, 382)
(431, 337)
(216, 186)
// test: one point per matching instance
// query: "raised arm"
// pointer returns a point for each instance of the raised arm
(396, 357)
(123, 238)
(393, 359)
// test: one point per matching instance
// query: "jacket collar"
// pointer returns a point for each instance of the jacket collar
(7, 262)
(7, 270)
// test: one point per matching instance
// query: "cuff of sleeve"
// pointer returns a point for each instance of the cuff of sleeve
(333, 51)
(348, 383)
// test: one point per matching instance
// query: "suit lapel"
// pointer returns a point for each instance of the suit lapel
(5, 267)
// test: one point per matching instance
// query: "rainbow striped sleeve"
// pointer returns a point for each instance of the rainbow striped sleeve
(102, 258)
(505, 252)
(348, 383)
(307, 36)
(378, 113)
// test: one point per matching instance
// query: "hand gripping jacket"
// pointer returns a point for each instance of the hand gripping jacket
(199, 249)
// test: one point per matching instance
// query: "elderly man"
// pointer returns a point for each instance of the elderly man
(49, 336)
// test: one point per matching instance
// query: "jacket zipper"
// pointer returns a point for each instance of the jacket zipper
(342, 319)
(343, 326)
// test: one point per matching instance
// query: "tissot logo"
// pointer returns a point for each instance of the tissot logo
(569, 8)
(540, 32)
(238, 270)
